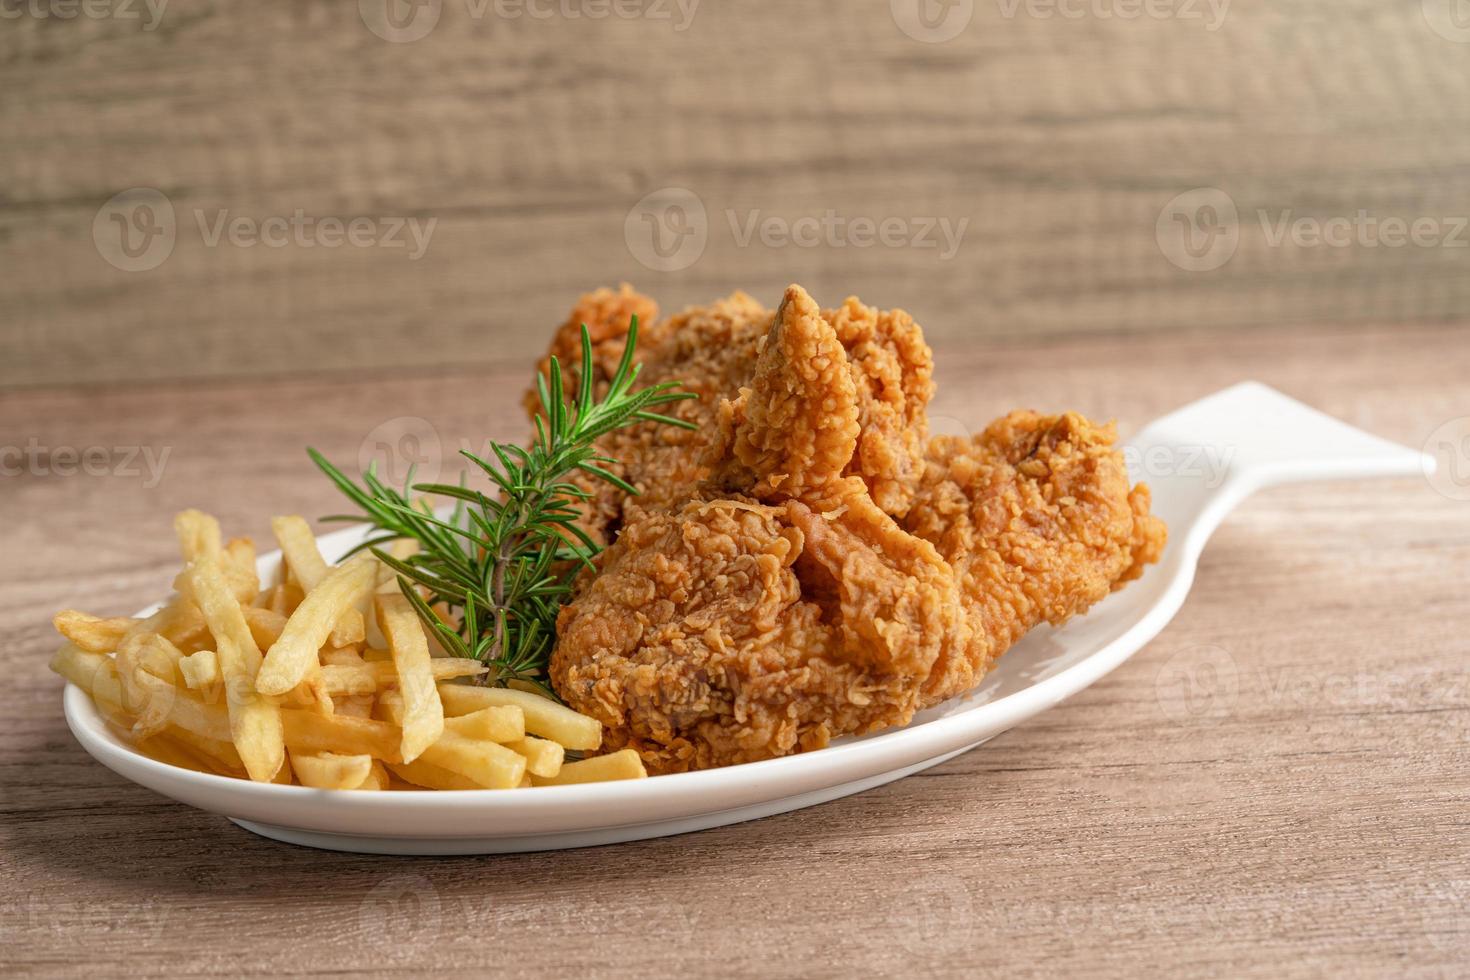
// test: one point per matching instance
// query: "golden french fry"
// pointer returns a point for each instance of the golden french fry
(327, 770)
(490, 765)
(504, 723)
(368, 678)
(602, 768)
(150, 682)
(543, 756)
(94, 673)
(265, 625)
(350, 630)
(294, 655)
(430, 776)
(544, 717)
(198, 534)
(166, 749)
(423, 715)
(376, 779)
(92, 633)
(255, 721)
(222, 755)
(354, 705)
(305, 563)
(201, 673)
(140, 656)
(286, 775)
(241, 552)
(310, 731)
(298, 548)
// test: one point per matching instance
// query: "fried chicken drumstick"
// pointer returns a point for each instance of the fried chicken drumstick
(775, 603)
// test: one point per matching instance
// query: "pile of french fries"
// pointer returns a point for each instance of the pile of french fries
(326, 679)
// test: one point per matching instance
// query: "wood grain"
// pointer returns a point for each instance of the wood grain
(1276, 787)
(1059, 140)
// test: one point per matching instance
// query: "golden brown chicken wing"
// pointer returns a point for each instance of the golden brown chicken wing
(1037, 518)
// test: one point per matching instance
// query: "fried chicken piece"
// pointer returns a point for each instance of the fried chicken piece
(727, 628)
(607, 314)
(893, 370)
(1037, 518)
(713, 350)
(794, 429)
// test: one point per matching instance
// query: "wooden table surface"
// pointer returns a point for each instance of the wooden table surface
(1276, 786)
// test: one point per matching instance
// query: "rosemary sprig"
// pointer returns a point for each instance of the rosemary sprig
(505, 564)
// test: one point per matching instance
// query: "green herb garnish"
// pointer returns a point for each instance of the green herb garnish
(505, 565)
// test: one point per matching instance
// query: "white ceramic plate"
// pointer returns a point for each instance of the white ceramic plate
(1200, 461)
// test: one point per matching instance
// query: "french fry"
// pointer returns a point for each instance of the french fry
(309, 731)
(92, 633)
(198, 534)
(327, 770)
(504, 723)
(241, 552)
(354, 705)
(265, 625)
(201, 671)
(601, 768)
(294, 655)
(255, 721)
(376, 779)
(305, 563)
(94, 673)
(543, 756)
(368, 678)
(138, 657)
(544, 717)
(430, 776)
(488, 764)
(220, 754)
(298, 548)
(423, 715)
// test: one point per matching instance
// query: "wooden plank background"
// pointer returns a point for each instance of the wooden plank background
(1275, 787)
(1059, 140)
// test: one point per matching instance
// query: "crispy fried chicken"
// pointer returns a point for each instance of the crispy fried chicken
(712, 351)
(728, 628)
(761, 598)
